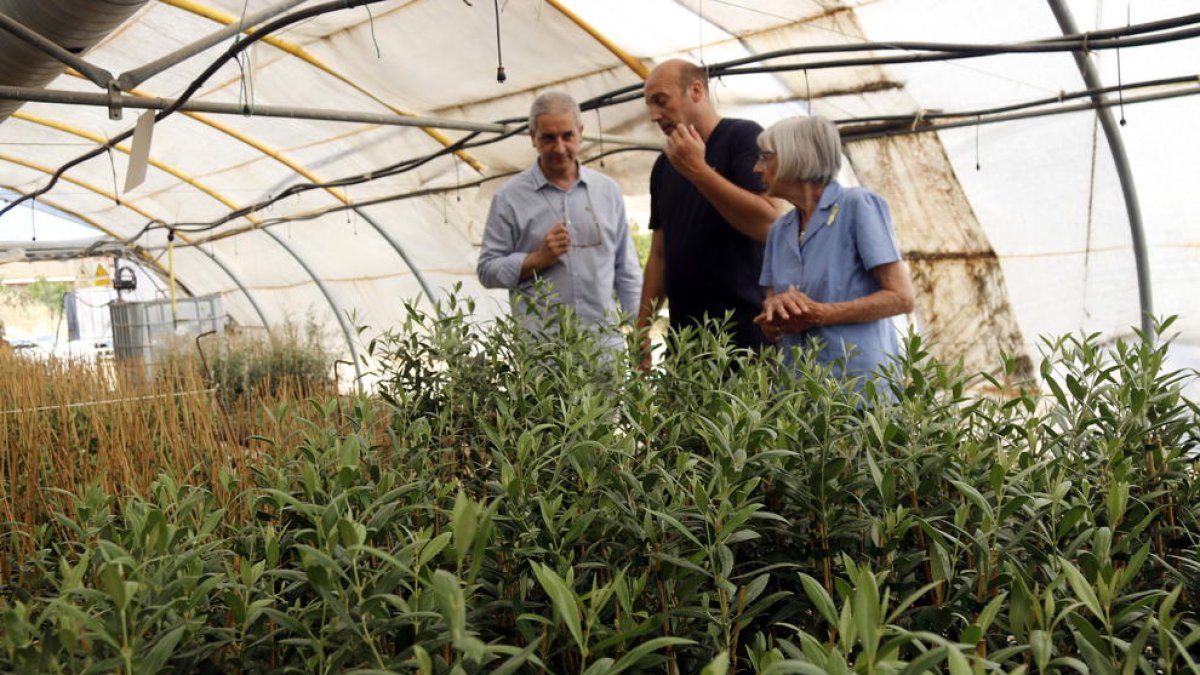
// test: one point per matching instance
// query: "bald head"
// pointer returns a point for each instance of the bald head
(681, 73)
(676, 94)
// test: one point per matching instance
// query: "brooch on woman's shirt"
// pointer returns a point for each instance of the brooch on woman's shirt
(833, 214)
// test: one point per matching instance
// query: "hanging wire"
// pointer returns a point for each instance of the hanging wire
(371, 21)
(978, 119)
(171, 273)
(1087, 246)
(500, 75)
(33, 218)
(1120, 94)
(1095, 40)
(600, 133)
(245, 84)
(457, 179)
(229, 54)
(245, 88)
(884, 126)
(112, 165)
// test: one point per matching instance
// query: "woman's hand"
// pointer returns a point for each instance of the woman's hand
(791, 311)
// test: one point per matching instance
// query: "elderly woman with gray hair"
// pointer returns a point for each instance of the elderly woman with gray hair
(832, 268)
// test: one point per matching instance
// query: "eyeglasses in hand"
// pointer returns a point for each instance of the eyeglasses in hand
(583, 236)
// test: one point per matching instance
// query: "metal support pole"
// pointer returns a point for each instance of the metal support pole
(428, 290)
(132, 78)
(321, 114)
(242, 287)
(101, 77)
(1116, 144)
(346, 330)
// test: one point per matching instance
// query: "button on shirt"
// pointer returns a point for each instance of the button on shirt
(601, 258)
(849, 234)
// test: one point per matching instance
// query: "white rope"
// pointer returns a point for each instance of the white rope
(85, 404)
(918, 118)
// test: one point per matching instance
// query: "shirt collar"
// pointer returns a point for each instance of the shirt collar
(829, 200)
(540, 181)
(830, 195)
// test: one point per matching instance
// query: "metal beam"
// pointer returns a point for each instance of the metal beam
(337, 194)
(101, 77)
(322, 114)
(346, 332)
(1116, 145)
(145, 256)
(628, 59)
(299, 52)
(132, 78)
(137, 249)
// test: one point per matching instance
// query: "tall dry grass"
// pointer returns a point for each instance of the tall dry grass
(67, 426)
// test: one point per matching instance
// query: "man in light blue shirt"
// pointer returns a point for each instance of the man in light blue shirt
(563, 223)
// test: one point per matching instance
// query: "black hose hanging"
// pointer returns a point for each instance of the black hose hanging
(500, 76)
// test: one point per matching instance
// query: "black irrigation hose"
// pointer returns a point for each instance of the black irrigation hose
(1106, 39)
(888, 122)
(402, 196)
(384, 172)
(1065, 96)
(1028, 48)
(1095, 40)
(1086, 41)
(237, 48)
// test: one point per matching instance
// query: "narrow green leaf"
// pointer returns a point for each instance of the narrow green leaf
(1082, 589)
(466, 519)
(719, 665)
(639, 652)
(925, 662)
(566, 604)
(820, 599)
(515, 661)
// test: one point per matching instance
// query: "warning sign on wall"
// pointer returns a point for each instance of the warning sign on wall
(101, 277)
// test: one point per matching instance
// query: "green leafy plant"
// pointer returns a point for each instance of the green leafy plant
(513, 502)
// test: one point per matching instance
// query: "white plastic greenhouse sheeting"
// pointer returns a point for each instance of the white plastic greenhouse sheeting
(1046, 197)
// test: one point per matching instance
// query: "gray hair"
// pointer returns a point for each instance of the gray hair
(553, 103)
(808, 149)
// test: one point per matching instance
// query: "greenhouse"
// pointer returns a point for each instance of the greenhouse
(267, 404)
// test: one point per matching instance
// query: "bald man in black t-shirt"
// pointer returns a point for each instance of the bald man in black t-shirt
(708, 210)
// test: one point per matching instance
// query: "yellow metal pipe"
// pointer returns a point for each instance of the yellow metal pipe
(628, 59)
(145, 256)
(81, 183)
(299, 52)
(268, 151)
(162, 166)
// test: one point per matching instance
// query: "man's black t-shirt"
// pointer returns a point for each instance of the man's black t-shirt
(711, 268)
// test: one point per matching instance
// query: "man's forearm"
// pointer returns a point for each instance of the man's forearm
(532, 264)
(750, 213)
(653, 291)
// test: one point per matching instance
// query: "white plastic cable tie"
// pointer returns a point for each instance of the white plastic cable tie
(919, 118)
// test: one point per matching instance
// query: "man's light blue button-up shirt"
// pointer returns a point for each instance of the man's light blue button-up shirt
(601, 260)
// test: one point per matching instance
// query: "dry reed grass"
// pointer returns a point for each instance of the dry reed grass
(66, 426)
